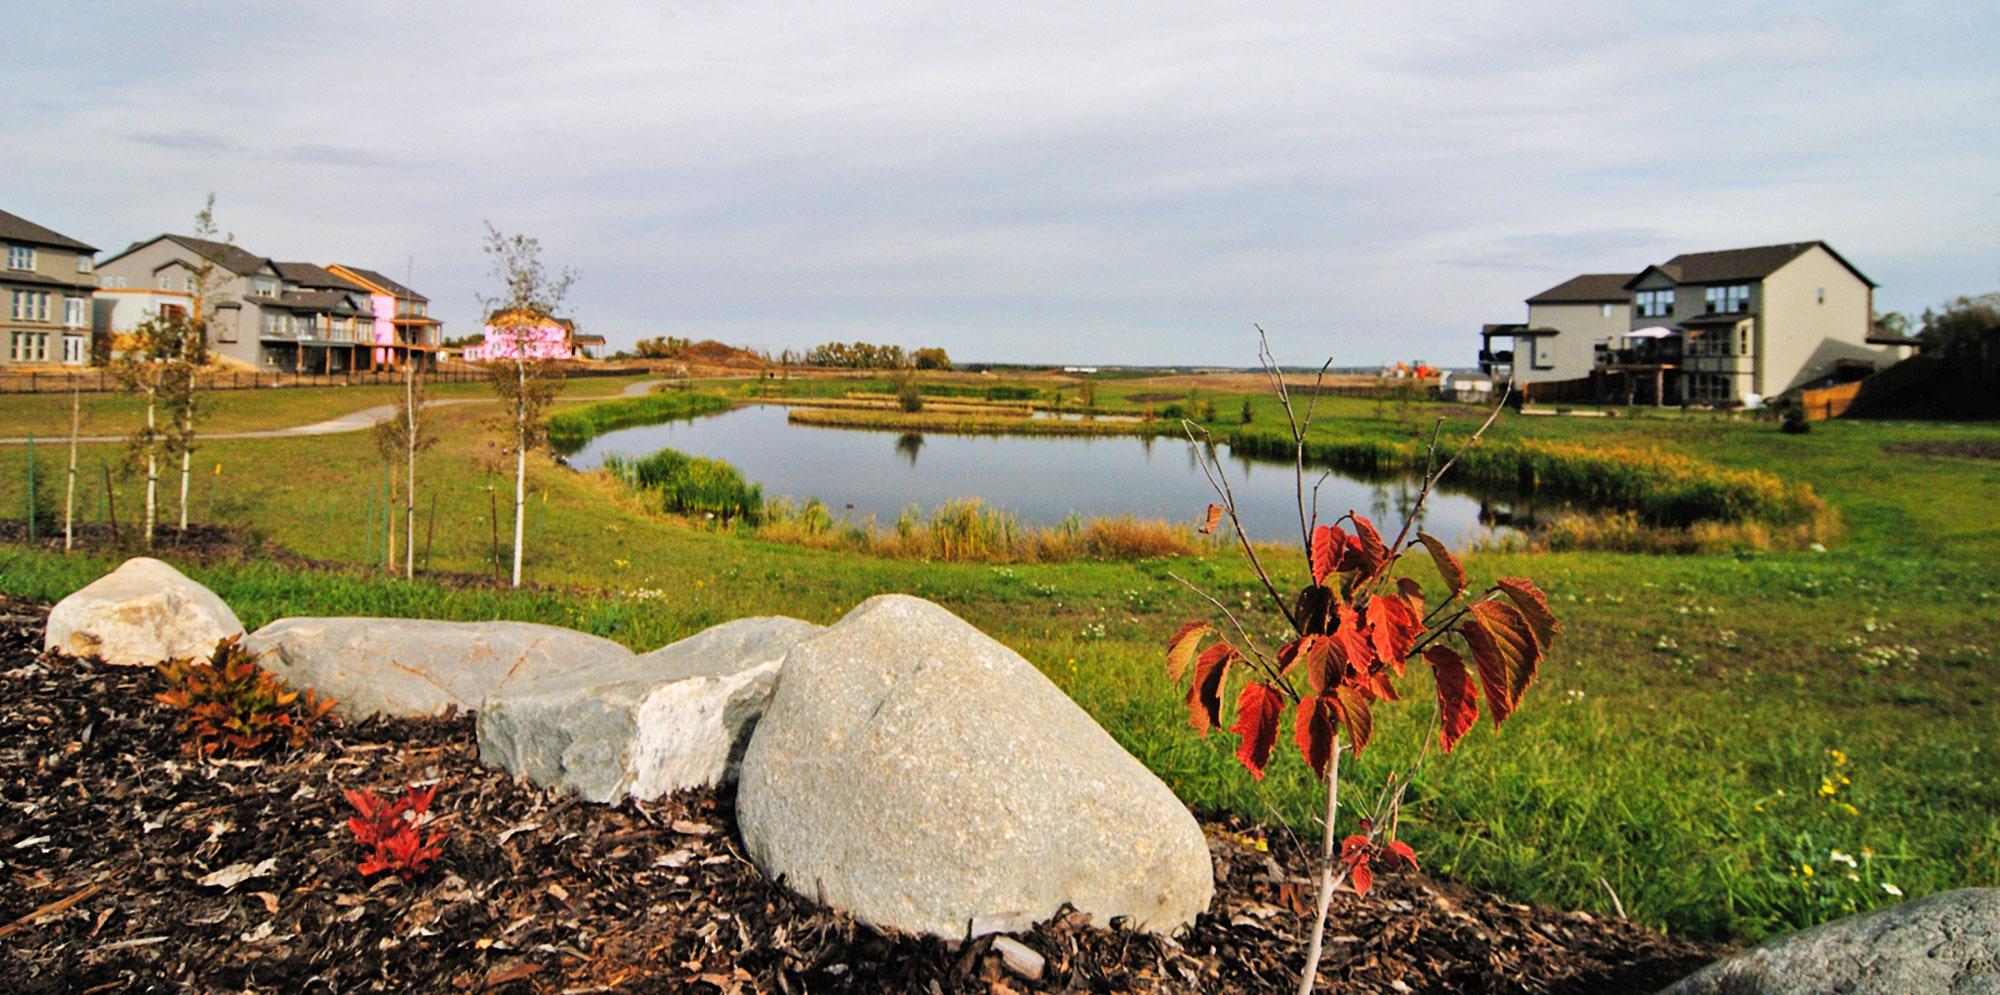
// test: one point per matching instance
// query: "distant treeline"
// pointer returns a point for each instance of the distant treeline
(867, 356)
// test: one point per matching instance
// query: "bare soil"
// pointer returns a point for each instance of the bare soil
(108, 830)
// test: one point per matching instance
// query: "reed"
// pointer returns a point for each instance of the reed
(691, 485)
(569, 429)
(968, 424)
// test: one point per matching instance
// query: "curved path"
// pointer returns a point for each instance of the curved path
(354, 421)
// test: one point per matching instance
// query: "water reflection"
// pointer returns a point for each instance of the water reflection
(1041, 479)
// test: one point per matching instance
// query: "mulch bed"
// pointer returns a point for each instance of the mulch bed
(107, 828)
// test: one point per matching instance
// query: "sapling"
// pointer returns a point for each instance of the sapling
(1353, 626)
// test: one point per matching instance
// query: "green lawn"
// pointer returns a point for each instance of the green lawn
(1679, 748)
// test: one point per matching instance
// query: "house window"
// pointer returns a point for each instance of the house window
(31, 305)
(74, 349)
(84, 264)
(1655, 303)
(1604, 310)
(20, 257)
(172, 312)
(273, 323)
(1734, 299)
(75, 311)
(1822, 295)
(1743, 341)
(166, 282)
(267, 288)
(31, 347)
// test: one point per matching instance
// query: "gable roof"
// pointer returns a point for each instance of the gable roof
(14, 228)
(377, 280)
(1587, 288)
(313, 277)
(224, 254)
(1754, 263)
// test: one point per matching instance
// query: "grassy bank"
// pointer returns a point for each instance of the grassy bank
(690, 485)
(970, 424)
(1678, 746)
(570, 428)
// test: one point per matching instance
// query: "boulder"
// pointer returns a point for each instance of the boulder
(1948, 944)
(922, 776)
(140, 614)
(417, 667)
(646, 726)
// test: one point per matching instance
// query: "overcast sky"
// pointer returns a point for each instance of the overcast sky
(1021, 182)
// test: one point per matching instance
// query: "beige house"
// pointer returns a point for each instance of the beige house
(45, 286)
(1724, 328)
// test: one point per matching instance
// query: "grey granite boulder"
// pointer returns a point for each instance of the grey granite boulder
(418, 667)
(678, 717)
(138, 615)
(1943, 944)
(922, 776)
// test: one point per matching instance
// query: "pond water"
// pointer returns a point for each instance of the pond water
(1040, 479)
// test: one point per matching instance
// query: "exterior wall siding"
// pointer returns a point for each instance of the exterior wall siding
(1570, 355)
(52, 337)
(1804, 337)
(233, 331)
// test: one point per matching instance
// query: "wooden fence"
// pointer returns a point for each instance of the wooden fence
(99, 380)
(1831, 402)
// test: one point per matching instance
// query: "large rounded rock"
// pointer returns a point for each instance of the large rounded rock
(140, 614)
(922, 776)
(418, 667)
(1947, 944)
(645, 726)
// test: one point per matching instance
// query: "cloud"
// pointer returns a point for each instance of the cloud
(1034, 181)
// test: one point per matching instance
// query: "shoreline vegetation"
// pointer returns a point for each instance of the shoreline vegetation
(1642, 499)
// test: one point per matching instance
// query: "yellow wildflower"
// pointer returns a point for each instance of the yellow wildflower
(1806, 869)
(1839, 758)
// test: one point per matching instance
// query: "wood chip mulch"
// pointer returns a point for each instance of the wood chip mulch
(108, 831)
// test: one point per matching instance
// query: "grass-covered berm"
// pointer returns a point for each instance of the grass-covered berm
(1734, 740)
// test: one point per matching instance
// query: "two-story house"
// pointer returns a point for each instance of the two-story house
(1565, 324)
(404, 328)
(523, 334)
(1728, 327)
(45, 289)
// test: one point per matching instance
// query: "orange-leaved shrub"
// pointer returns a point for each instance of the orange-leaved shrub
(393, 831)
(231, 706)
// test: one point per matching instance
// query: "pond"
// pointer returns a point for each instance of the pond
(1039, 479)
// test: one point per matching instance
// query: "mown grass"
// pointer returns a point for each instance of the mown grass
(570, 428)
(1675, 745)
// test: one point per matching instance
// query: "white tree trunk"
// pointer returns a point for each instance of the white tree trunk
(152, 473)
(69, 497)
(410, 478)
(520, 502)
(187, 460)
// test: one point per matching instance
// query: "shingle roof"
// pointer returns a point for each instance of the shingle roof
(316, 277)
(224, 254)
(1753, 263)
(305, 300)
(1587, 288)
(14, 228)
(395, 289)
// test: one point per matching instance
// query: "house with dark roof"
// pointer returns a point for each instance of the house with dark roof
(1729, 327)
(404, 328)
(293, 317)
(1565, 323)
(45, 291)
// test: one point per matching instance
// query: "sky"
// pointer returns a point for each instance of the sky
(1110, 183)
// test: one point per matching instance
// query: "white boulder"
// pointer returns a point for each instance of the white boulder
(418, 667)
(140, 614)
(1943, 944)
(678, 717)
(922, 776)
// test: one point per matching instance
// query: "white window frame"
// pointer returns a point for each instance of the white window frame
(21, 257)
(1655, 303)
(85, 264)
(76, 350)
(76, 312)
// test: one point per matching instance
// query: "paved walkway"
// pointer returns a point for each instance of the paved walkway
(356, 421)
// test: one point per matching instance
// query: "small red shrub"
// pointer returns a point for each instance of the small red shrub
(392, 830)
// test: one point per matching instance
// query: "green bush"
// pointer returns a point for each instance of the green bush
(691, 485)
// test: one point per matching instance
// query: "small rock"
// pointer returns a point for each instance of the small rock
(645, 726)
(1019, 958)
(920, 775)
(1947, 944)
(418, 668)
(140, 614)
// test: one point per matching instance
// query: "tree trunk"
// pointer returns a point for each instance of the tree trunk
(520, 462)
(69, 497)
(152, 472)
(410, 478)
(1326, 859)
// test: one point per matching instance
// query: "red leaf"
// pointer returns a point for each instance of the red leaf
(1211, 520)
(1447, 564)
(1356, 715)
(1205, 694)
(1393, 628)
(1180, 648)
(1458, 701)
(1360, 877)
(1288, 655)
(1373, 551)
(1351, 640)
(1534, 606)
(1413, 593)
(1257, 711)
(1315, 731)
(1505, 652)
(1324, 666)
(1328, 541)
(1400, 852)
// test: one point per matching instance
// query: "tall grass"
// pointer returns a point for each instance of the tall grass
(969, 530)
(690, 485)
(570, 429)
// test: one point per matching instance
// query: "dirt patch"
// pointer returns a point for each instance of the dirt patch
(1963, 450)
(107, 830)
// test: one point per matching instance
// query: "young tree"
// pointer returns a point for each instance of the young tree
(140, 362)
(529, 295)
(400, 437)
(1349, 633)
(69, 494)
(187, 352)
